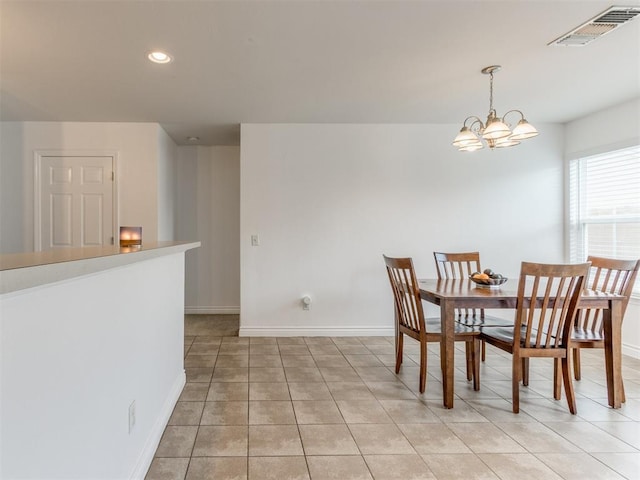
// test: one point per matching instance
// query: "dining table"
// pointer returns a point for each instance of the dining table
(453, 294)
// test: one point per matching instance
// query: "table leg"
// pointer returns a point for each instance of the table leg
(447, 350)
(612, 319)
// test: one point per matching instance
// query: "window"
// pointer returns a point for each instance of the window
(604, 206)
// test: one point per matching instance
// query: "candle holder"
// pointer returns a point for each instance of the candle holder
(130, 236)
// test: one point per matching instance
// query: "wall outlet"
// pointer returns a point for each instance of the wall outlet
(132, 416)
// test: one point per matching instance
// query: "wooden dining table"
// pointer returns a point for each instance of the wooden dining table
(451, 294)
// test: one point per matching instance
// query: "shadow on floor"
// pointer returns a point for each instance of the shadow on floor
(211, 325)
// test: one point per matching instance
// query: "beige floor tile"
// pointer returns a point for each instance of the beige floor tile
(363, 360)
(357, 390)
(461, 412)
(390, 390)
(309, 391)
(375, 439)
(204, 349)
(214, 468)
(194, 392)
(269, 391)
(226, 392)
(518, 466)
(287, 349)
(199, 374)
(221, 441)
(267, 374)
(264, 349)
(628, 432)
(225, 413)
(233, 349)
(317, 412)
(331, 361)
(433, 438)
(263, 341)
(458, 466)
(589, 437)
(326, 349)
(626, 464)
(376, 374)
(398, 467)
(265, 361)
(274, 440)
(290, 341)
(338, 468)
(177, 441)
(485, 438)
(339, 374)
(499, 410)
(537, 438)
(230, 374)
(409, 411)
(318, 341)
(303, 374)
(232, 361)
(578, 466)
(328, 440)
(278, 468)
(271, 412)
(167, 469)
(354, 350)
(363, 411)
(193, 360)
(298, 361)
(186, 413)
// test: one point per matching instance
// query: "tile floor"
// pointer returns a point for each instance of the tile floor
(332, 408)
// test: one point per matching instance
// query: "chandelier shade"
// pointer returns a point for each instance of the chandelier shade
(495, 132)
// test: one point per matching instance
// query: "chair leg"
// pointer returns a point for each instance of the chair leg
(484, 350)
(516, 369)
(568, 384)
(423, 366)
(557, 378)
(525, 371)
(399, 343)
(477, 346)
(468, 352)
(576, 363)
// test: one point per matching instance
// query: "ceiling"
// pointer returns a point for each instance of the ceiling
(306, 61)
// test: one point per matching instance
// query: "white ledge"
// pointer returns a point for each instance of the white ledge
(21, 271)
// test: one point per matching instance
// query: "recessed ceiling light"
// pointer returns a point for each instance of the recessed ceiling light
(158, 56)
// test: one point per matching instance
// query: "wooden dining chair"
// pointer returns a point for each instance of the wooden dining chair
(547, 302)
(610, 276)
(410, 320)
(462, 265)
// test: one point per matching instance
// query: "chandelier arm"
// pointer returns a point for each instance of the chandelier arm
(512, 111)
(475, 120)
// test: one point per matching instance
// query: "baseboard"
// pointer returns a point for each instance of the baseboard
(212, 310)
(153, 440)
(316, 332)
(631, 350)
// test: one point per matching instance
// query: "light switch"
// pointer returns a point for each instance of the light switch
(255, 240)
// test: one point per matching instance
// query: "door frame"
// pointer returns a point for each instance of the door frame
(37, 198)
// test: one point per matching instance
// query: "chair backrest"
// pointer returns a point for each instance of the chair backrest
(406, 293)
(548, 298)
(457, 265)
(611, 276)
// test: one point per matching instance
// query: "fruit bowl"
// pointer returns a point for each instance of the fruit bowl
(488, 280)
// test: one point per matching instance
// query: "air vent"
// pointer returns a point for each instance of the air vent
(598, 26)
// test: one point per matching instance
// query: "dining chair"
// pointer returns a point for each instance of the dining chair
(410, 320)
(546, 307)
(462, 265)
(610, 276)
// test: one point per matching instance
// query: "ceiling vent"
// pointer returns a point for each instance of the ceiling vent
(598, 26)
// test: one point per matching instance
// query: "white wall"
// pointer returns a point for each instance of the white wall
(208, 184)
(167, 158)
(69, 376)
(610, 129)
(137, 148)
(328, 200)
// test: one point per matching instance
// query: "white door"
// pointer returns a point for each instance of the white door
(75, 200)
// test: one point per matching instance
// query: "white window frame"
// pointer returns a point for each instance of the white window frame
(578, 221)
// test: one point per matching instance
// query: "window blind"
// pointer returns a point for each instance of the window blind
(604, 206)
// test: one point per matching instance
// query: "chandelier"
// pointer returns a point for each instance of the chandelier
(495, 131)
